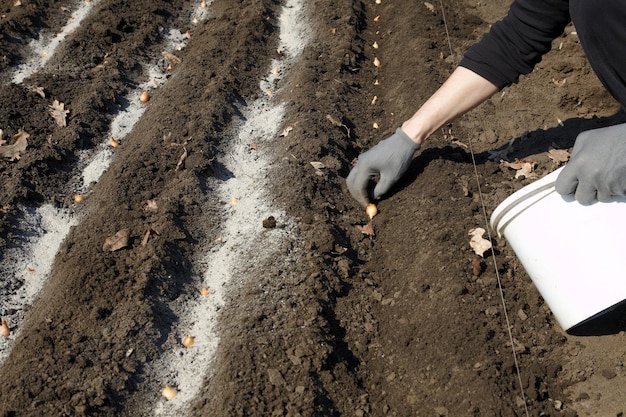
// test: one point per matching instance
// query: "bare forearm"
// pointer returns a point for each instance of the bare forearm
(463, 91)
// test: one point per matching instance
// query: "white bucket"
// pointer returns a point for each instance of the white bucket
(574, 253)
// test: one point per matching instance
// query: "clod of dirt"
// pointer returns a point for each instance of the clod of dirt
(476, 267)
(269, 223)
(58, 112)
(117, 241)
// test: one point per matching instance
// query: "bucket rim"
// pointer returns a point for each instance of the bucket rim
(544, 185)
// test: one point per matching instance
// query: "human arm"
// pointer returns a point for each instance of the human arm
(391, 157)
(512, 47)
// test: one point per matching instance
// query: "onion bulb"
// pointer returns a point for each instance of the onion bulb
(144, 97)
(169, 393)
(204, 291)
(4, 329)
(78, 198)
(371, 210)
(188, 341)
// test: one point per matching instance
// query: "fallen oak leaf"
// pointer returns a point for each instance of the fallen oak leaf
(318, 167)
(12, 152)
(58, 112)
(559, 156)
(516, 164)
(117, 241)
(477, 242)
(286, 131)
(524, 168)
(171, 57)
(526, 171)
(367, 230)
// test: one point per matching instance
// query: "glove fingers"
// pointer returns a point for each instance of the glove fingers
(604, 195)
(585, 194)
(567, 181)
(357, 182)
(384, 184)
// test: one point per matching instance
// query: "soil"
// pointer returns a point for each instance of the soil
(334, 322)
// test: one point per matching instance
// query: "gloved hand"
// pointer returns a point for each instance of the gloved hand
(390, 158)
(597, 166)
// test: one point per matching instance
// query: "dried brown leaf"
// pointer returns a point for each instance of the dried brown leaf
(286, 131)
(58, 112)
(477, 242)
(171, 57)
(559, 155)
(152, 205)
(116, 242)
(12, 152)
(526, 171)
(318, 167)
(367, 230)
(181, 160)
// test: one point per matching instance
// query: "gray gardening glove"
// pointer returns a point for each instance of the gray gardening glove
(597, 166)
(390, 158)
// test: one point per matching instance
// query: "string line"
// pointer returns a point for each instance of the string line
(488, 229)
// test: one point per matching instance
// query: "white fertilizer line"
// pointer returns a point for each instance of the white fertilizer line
(244, 242)
(42, 52)
(24, 268)
(26, 265)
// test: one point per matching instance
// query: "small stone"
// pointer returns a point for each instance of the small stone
(608, 373)
(269, 223)
(522, 316)
(441, 411)
(275, 377)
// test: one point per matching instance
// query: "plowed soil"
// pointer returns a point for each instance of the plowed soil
(318, 318)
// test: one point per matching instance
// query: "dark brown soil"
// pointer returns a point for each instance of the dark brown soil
(396, 324)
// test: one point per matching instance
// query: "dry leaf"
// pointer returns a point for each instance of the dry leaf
(318, 167)
(58, 112)
(36, 89)
(12, 152)
(149, 232)
(477, 242)
(171, 57)
(367, 230)
(430, 7)
(286, 131)
(117, 241)
(524, 168)
(152, 205)
(559, 155)
(181, 160)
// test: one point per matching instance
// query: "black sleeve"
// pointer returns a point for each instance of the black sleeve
(515, 44)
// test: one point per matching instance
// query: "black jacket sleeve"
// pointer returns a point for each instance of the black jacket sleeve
(515, 44)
